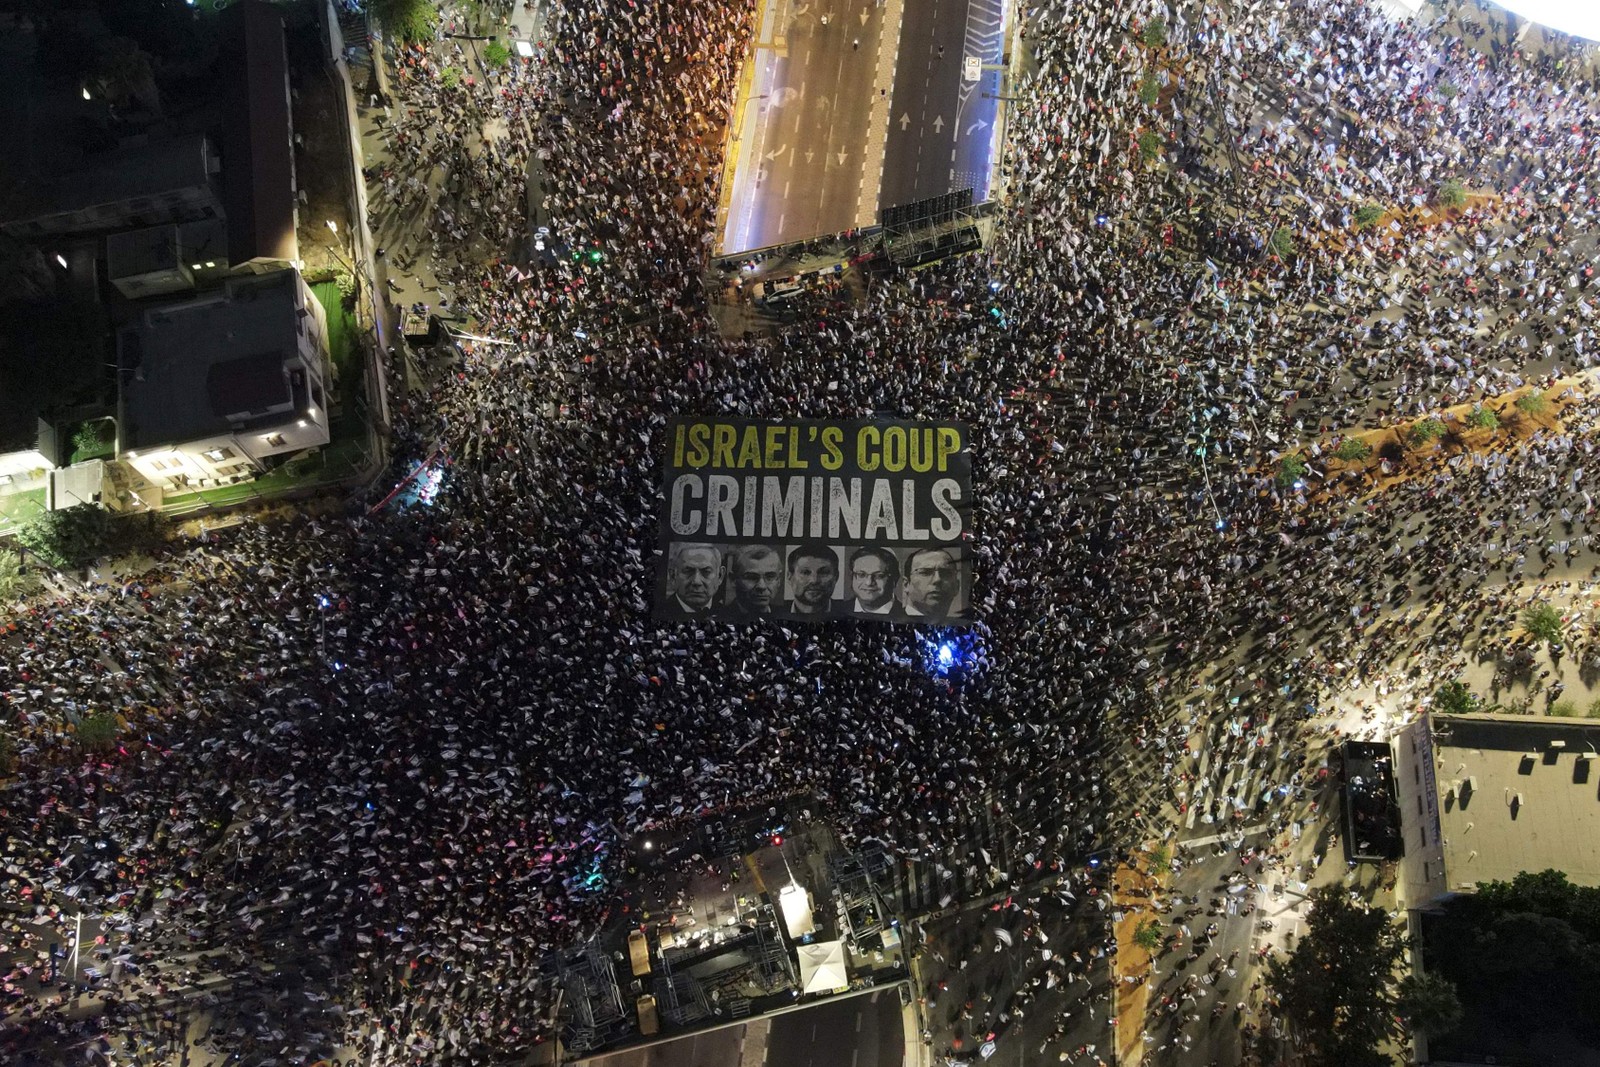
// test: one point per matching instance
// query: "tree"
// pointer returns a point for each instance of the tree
(1160, 856)
(1534, 403)
(412, 20)
(1281, 243)
(496, 54)
(1368, 215)
(1482, 418)
(450, 77)
(124, 73)
(1155, 33)
(1454, 698)
(1336, 987)
(1452, 194)
(1543, 623)
(1291, 469)
(1426, 432)
(67, 537)
(1149, 89)
(97, 732)
(71, 339)
(1149, 145)
(1147, 935)
(92, 439)
(1564, 709)
(1352, 449)
(1594, 708)
(1520, 954)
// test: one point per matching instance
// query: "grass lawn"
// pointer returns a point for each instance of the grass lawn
(342, 346)
(337, 460)
(17, 507)
(104, 449)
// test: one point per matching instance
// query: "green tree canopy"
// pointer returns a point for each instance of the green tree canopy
(1147, 935)
(412, 20)
(1454, 698)
(67, 537)
(97, 732)
(1543, 623)
(1534, 403)
(1367, 214)
(1352, 449)
(50, 356)
(1291, 469)
(1524, 956)
(1426, 431)
(1336, 988)
(1428, 1002)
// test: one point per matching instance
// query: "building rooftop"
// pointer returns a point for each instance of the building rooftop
(138, 170)
(212, 364)
(1517, 794)
(258, 138)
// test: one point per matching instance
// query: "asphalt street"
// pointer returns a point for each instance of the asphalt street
(863, 1031)
(714, 1048)
(857, 1031)
(941, 127)
(803, 141)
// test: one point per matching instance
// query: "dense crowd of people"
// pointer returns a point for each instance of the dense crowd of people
(416, 748)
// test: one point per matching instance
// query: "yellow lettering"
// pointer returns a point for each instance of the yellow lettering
(867, 454)
(949, 445)
(773, 459)
(894, 449)
(699, 437)
(921, 455)
(722, 440)
(796, 460)
(832, 454)
(750, 448)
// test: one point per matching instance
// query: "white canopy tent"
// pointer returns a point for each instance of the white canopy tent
(822, 967)
(796, 905)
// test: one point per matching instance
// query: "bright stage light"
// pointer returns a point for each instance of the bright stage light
(1581, 18)
(947, 655)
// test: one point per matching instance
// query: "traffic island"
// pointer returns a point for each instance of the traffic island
(1135, 889)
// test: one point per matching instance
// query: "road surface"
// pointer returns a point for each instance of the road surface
(941, 127)
(848, 105)
(858, 1031)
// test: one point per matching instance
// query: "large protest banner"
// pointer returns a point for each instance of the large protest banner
(804, 519)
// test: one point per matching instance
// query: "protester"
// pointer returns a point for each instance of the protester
(411, 750)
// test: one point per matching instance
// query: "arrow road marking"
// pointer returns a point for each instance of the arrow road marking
(841, 159)
(938, 124)
(980, 124)
(905, 120)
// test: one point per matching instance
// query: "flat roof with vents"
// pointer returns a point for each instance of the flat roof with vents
(212, 364)
(1518, 794)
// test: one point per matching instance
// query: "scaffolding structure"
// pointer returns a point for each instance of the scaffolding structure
(858, 878)
(589, 981)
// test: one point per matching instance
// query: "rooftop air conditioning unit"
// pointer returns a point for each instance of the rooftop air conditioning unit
(1558, 744)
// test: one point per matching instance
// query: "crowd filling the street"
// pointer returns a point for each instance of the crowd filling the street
(376, 765)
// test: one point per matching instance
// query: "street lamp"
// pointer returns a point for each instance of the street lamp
(333, 227)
